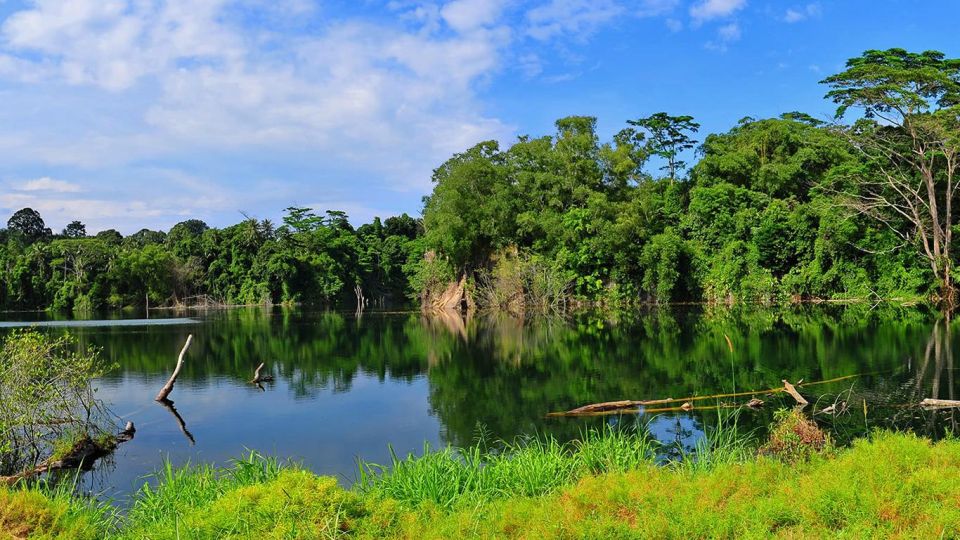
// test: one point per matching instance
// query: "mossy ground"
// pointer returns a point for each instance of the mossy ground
(886, 486)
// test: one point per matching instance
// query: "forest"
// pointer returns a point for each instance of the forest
(784, 209)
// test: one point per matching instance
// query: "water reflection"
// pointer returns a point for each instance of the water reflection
(348, 386)
(168, 405)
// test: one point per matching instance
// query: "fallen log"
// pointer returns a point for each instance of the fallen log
(939, 403)
(614, 405)
(82, 455)
(609, 407)
(790, 389)
(167, 388)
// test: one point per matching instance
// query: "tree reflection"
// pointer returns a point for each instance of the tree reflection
(507, 373)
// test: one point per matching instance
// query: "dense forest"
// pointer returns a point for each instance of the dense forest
(777, 209)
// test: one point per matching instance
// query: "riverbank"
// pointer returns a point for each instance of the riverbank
(608, 485)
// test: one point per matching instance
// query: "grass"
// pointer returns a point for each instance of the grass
(538, 466)
(607, 485)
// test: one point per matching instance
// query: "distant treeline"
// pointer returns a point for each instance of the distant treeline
(778, 209)
(309, 258)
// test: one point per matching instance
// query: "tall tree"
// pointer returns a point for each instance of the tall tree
(28, 223)
(75, 229)
(910, 139)
(668, 136)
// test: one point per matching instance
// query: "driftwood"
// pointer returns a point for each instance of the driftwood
(613, 407)
(939, 403)
(84, 453)
(167, 388)
(790, 389)
(168, 405)
(259, 379)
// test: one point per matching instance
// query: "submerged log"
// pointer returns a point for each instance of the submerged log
(167, 388)
(82, 455)
(612, 406)
(939, 403)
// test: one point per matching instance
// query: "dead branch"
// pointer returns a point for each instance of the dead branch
(939, 403)
(257, 379)
(167, 388)
(790, 389)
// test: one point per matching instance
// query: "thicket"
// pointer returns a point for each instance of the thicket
(48, 401)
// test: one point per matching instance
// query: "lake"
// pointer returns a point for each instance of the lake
(349, 387)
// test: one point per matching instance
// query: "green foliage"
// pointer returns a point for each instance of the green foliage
(48, 400)
(668, 137)
(311, 258)
(765, 214)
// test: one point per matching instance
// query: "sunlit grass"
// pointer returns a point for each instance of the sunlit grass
(607, 484)
(529, 467)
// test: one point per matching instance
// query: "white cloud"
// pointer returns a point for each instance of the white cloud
(465, 15)
(48, 184)
(186, 77)
(726, 35)
(707, 10)
(674, 25)
(794, 15)
(108, 85)
(729, 32)
(576, 18)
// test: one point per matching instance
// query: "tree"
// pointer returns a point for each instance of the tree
(110, 236)
(75, 229)
(909, 138)
(28, 223)
(469, 215)
(781, 157)
(668, 136)
(144, 237)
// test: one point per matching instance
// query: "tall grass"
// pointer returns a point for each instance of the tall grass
(177, 490)
(722, 444)
(528, 467)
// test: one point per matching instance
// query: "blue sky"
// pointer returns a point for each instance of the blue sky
(141, 113)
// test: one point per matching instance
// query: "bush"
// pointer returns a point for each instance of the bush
(794, 437)
(47, 397)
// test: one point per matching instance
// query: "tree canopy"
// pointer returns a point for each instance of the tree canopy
(774, 209)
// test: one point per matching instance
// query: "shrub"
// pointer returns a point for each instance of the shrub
(794, 437)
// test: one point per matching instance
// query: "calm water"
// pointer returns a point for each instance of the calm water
(347, 387)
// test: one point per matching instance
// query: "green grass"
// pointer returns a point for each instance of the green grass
(538, 466)
(607, 485)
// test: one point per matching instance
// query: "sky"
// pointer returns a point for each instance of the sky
(131, 114)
